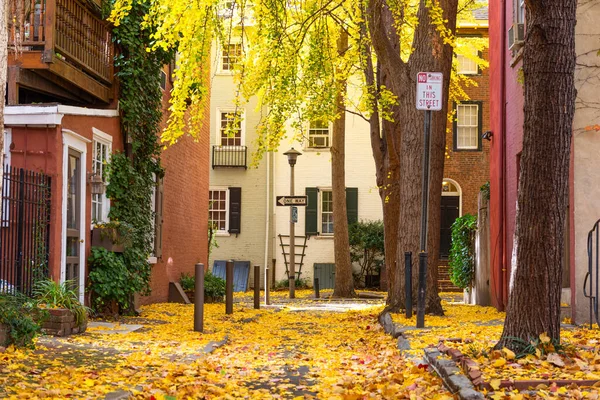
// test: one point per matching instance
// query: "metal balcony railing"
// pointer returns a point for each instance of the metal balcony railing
(230, 157)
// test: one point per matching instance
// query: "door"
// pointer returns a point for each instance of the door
(325, 273)
(73, 231)
(450, 211)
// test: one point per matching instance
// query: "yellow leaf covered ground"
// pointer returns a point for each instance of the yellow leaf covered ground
(268, 354)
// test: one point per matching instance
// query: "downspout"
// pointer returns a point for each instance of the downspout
(267, 221)
(504, 272)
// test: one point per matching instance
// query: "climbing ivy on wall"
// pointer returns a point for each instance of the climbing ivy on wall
(133, 174)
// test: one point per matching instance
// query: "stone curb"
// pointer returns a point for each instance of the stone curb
(451, 375)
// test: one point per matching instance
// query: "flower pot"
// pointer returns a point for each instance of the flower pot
(109, 238)
(61, 322)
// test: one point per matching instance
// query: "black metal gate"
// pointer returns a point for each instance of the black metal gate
(24, 229)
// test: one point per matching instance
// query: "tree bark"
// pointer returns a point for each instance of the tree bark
(344, 282)
(430, 54)
(542, 200)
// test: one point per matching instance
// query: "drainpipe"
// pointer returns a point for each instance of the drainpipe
(504, 272)
(267, 221)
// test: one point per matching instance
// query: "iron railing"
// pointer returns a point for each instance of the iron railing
(591, 284)
(25, 230)
(229, 157)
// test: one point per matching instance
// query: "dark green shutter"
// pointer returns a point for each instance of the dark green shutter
(352, 205)
(310, 220)
(158, 217)
(235, 209)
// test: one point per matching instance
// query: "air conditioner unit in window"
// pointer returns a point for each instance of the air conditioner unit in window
(516, 36)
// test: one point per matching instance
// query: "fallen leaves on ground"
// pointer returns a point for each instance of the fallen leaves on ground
(269, 354)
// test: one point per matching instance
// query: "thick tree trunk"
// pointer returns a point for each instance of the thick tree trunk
(548, 66)
(344, 282)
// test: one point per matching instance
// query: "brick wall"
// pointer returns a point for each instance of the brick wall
(185, 209)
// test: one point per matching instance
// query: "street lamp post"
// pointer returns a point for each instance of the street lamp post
(292, 156)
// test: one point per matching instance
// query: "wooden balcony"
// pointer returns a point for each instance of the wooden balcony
(66, 44)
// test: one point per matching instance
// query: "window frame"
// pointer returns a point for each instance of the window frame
(220, 112)
(104, 139)
(479, 54)
(455, 126)
(221, 54)
(220, 232)
(309, 128)
(320, 212)
(520, 11)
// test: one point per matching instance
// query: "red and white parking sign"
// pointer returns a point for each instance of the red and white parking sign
(429, 91)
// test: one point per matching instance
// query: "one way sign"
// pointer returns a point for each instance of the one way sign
(291, 200)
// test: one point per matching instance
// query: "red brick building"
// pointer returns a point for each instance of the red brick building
(466, 167)
(62, 120)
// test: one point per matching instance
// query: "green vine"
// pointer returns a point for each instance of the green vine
(485, 190)
(462, 251)
(132, 175)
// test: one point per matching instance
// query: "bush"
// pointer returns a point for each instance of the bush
(50, 294)
(366, 248)
(214, 287)
(285, 283)
(109, 280)
(462, 254)
(22, 317)
(188, 282)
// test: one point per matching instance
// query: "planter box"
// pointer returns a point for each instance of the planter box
(61, 322)
(4, 335)
(107, 238)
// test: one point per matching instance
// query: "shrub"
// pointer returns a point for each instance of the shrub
(214, 287)
(366, 248)
(462, 254)
(50, 294)
(22, 317)
(188, 281)
(109, 279)
(285, 283)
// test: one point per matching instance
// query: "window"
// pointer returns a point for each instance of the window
(467, 126)
(520, 11)
(224, 209)
(466, 65)
(163, 80)
(326, 212)
(318, 135)
(156, 205)
(230, 128)
(100, 154)
(231, 54)
(319, 210)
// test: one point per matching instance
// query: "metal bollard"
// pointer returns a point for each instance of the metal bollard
(408, 283)
(229, 287)
(267, 286)
(422, 287)
(199, 298)
(257, 287)
(317, 292)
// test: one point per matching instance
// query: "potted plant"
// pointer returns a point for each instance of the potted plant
(188, 284)
(66, 314)
(109, 235)
(214, 288)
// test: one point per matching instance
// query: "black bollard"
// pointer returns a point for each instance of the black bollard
(256, 287)
(229, 287)
(199, 298)
(422, 287)
(408, 283)
(317, 292)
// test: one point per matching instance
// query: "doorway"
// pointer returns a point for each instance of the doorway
(450, 210)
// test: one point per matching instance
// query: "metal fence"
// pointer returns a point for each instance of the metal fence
(24, 230)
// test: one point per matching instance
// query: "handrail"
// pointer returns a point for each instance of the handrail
(593, 295)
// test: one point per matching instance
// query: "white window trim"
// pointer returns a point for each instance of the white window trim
(520, 17)
(107, 140)
(320, 212)
(466, 72)
(307, 146)
(220, 70)
(79, 143)
(5, 163)
(476, 147)
(242, 113)
(459, 194)
(226, 190)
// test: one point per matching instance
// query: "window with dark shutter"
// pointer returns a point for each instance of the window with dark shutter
(235, 209)
(352, 205)
(310, 220)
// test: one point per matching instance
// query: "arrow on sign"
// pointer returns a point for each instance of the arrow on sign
(291, 200)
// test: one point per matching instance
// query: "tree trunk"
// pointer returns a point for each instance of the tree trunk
(344, 282)
(542, 200)
(3, 73)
